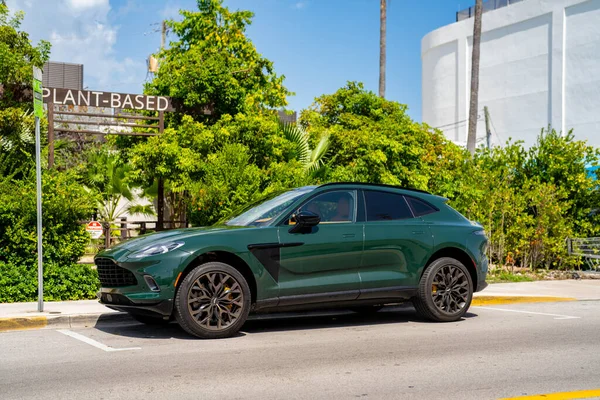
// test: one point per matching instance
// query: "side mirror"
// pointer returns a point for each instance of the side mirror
(304, 220)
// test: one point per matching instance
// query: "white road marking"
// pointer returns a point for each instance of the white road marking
(92, 342)
(557, 316)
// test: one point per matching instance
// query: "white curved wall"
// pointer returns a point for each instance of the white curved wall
(540, 66)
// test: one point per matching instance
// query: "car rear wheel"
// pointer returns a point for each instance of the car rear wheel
(213, 301)
(445, 291)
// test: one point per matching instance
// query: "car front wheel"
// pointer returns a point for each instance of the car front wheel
(445, 291)
(213, 301)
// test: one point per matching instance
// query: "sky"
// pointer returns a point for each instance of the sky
(318, 45)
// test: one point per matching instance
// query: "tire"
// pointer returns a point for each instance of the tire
(149, 320)
(453, 301)
(222, 301)
(366, 310)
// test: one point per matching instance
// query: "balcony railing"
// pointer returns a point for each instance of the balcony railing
(488, 5)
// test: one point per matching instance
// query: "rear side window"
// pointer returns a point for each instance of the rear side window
(384, 206)
(420, 207)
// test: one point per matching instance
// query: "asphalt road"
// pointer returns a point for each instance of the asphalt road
(497, 352)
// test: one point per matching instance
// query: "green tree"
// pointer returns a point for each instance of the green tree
(110, 179)
(213, 65)
(17, 59)
(374, 140)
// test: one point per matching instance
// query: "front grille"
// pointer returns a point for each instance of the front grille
(111, 275)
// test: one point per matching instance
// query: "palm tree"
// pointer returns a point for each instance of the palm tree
(382, 33)
(109, 177)
(313, 160)
(474, 103)
(17, 143)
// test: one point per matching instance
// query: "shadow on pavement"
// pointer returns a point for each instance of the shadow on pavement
(279, 323)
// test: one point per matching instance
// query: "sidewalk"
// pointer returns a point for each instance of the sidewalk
(57, 315)
(584, 289)
(86, 313)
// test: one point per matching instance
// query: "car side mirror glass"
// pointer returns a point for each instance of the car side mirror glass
(304, 220)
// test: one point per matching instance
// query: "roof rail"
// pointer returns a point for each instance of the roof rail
(376, 185)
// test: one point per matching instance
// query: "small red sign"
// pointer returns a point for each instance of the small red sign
(95, 229)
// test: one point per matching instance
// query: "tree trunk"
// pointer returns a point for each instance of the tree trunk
(383, 18)
(472, 136)
(161, 205)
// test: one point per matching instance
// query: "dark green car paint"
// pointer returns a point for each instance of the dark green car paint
(335, 263)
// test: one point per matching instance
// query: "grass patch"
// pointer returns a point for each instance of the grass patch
(505, 276)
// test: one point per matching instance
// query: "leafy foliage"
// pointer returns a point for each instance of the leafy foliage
(312, 159)
(373, 140)
(109, 177)
(530, 201)
(212, 64)
(17, 57)
(65, 203)
(75, 282)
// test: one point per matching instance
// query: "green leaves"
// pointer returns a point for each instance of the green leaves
(112, 180)
(212, 64)
(311, 159)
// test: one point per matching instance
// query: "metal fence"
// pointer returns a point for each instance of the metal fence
(488, 5)
(586, 248)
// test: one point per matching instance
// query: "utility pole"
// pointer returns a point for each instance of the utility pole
(160, 201)
(382, 44)
(488, 132)
(472, 135)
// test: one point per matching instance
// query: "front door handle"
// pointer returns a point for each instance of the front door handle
(418, 232)
(348, 235)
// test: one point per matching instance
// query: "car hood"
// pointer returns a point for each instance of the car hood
(141, 242)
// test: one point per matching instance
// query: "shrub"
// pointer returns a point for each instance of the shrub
(65, 203)
(72, 282)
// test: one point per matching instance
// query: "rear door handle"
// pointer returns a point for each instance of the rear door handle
(348, 235)
(418, 232)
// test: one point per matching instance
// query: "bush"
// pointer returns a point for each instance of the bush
(530, 201)
(72, 282)
(65, 203)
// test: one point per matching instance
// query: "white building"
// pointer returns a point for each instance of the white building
(540, 66)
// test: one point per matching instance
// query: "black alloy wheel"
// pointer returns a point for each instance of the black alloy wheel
(445, 291)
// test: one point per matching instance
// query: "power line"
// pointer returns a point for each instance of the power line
(495, 130)
(461, 121)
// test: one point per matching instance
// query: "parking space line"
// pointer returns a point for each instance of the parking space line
(556, 316)
(92, 342)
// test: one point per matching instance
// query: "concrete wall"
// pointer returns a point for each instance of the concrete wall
(540, 66)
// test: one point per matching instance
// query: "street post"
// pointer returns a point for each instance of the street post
(38, 109)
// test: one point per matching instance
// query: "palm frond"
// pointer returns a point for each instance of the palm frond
(318, 154)
(146, 210)
(299, 137)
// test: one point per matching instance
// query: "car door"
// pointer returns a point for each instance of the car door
(322, 264)
(397, 244)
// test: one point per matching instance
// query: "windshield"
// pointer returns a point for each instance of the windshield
(267, 209)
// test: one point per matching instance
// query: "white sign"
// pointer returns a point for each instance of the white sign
(95, 229)
(73, 97)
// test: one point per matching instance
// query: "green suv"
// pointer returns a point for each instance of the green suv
(351, 245)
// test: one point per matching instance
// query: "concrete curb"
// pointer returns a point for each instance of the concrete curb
(20, 323)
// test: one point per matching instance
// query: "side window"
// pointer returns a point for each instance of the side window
(384, 206)
(420, 207)
(333, 207)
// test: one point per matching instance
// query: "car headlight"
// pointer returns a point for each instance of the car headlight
(156, 249)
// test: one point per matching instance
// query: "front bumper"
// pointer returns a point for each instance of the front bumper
(120, 302)
(124, 287)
